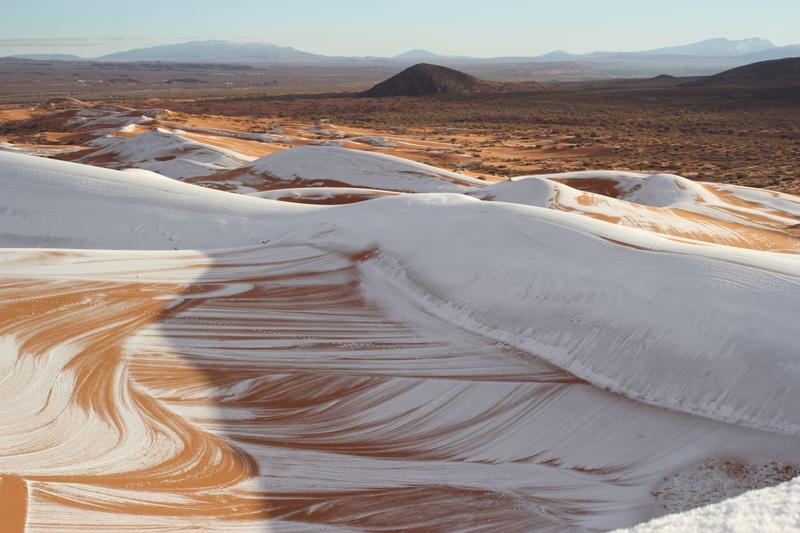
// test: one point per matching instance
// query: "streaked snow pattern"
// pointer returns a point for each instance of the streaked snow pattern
(574, 352)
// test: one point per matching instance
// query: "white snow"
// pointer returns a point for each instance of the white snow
(55, 204)
(166, 152)
(43, 150)
(247, 136)
(697, 340)
(668, 190)
(780, 202)
(373, 140)
(359, 169)
(655, 190)
(717, 320)
(533, 191)
(110, 117)
(769, 510)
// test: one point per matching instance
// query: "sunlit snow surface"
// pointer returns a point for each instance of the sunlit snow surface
(774, 509)
(571, 352)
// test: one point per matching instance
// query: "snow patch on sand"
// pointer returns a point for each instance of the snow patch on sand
(358, 169)
(166, 152)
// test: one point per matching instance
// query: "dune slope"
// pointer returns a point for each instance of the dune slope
(333, 166)
(552, 353)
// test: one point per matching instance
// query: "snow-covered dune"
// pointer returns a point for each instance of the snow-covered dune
(558, 358)
(661, 203)
(57, 204)
(656, 190)
(164, 151)
(90, 120)
(343, 167)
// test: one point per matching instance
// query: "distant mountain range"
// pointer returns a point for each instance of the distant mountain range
(210, 51)
(753, 49)
(418, 54)
(48, 57)
(701, 58)
(715, 47)
(229, 51)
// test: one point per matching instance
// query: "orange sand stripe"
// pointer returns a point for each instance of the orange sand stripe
(13, 504)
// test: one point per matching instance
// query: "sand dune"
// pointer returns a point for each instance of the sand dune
(665, 204)
(333, 166)
(213, 151)
(552, 353)
(164, 151)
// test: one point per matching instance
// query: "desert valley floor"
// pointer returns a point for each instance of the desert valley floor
(326, 328)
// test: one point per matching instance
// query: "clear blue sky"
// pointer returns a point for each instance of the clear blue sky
(377, 27)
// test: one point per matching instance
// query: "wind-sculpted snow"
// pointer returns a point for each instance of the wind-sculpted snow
(663, 204)
(163, 151)
(174, 357)
(48, 203)
(768, 509)
(334, 166)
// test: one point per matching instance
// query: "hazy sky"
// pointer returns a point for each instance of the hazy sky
(377, 27)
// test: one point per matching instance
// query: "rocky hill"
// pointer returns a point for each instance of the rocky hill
(427, 80)
(778, 73)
